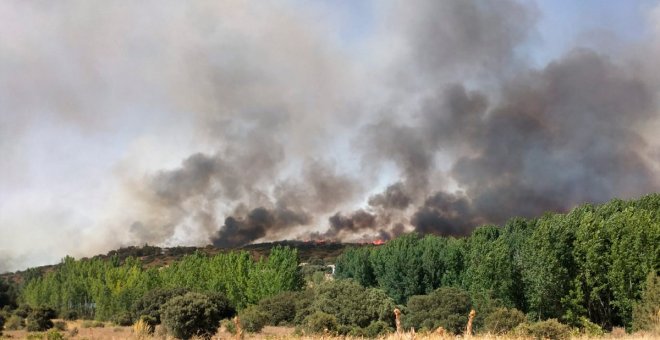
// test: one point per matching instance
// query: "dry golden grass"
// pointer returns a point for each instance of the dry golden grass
(282, 333)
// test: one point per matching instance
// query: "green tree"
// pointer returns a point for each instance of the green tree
(398, 267)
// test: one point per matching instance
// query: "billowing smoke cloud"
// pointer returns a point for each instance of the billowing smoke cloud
(257, 224)
(445, 214)
(239, 121)
(394, 197)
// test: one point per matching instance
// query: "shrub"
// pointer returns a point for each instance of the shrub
(35, 336)
(59, 325)
(39, 320)
(320, 322)
(23, 311)
(150, 304)
(2, 323)
(252, 319)
(189, 315)
(351, 304)
(54, 334)
(548, 329)
(223, 305)
(504, 320)
(149, 320)
(446, 307)
(377, 328)
(279, 309)
(14, 323)
(123, 319)
(303, 303)
(589, 328)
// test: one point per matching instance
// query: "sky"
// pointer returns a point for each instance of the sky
(228, 123)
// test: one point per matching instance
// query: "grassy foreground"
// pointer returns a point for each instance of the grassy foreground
(78, 330)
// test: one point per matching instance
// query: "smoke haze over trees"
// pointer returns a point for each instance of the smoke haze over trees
(235, 122)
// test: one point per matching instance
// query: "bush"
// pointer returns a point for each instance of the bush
(303, 302)
(320, 322)
(376, 329)
(39, 320)
(59, 325)
(223, 305)
(252, 319)
(351, 304)
(279, 309)
(150, 304)
(53, 334)
(504, 320)
(589, 328)
(123, 319)
(23, 311)
(446, 307)
(548, 329)
(2, 323)
(14, 323)
(189, 315)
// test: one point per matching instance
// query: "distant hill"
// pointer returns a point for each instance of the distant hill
(152, 256)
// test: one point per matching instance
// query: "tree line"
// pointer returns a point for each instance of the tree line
(103, 289)
(589, 263)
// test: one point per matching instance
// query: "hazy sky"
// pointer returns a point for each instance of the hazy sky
(229, 122)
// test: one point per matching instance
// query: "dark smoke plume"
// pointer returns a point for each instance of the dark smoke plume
(258, 222)
(394, 197)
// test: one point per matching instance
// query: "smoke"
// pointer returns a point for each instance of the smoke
(241, 121)
(445, 214)
(257, 223)
(394, 197)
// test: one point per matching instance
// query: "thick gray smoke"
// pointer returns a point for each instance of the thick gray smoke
(516, 141)
(242, 121)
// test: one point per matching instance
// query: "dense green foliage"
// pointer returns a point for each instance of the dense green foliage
(596, 266)
(149, 304)
(192, 314)
(103, 289)
(547, 329)
(342, 306)
(352, 304)
(447, 307)
(253, 319)
(279, 309)
(591, 262)
(40, 320)
(503, 320)
(319, 322)
(8, 295)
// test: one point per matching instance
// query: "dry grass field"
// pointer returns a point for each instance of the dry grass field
(76, 330)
